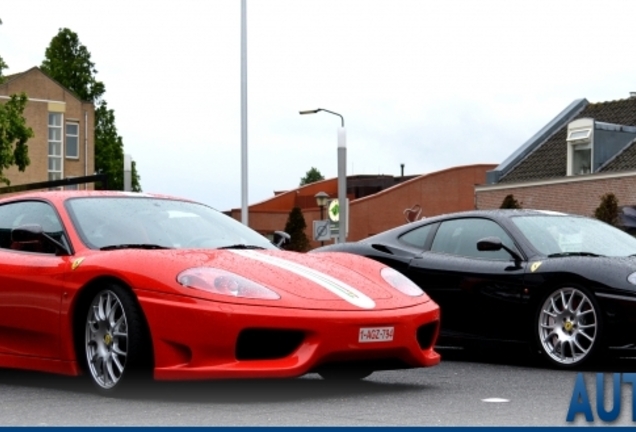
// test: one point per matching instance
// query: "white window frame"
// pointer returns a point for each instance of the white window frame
(55, 174)
(77, 137)
(580, 137)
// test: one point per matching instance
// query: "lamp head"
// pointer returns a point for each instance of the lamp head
(321, 198)
(314, 111)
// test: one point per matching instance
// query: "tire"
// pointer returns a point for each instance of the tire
(568, 327)
(116, 343)
(344, 374)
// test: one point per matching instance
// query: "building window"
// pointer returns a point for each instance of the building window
(581, 159)
(577, 135)
(72, 140)
(55, 146)
(580, 142)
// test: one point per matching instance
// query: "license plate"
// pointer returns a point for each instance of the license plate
(375, 334)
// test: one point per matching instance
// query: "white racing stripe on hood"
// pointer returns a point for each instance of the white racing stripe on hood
(339, 288)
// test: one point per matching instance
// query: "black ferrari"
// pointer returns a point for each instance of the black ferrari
(563, 283)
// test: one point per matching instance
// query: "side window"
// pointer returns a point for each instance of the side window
(417, 237)
(21, 213)
(460, 237)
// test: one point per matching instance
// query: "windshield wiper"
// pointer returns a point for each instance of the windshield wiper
(241, 246)
(566, 254)
(133, 246)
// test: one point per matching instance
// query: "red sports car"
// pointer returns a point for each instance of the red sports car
(122, 285)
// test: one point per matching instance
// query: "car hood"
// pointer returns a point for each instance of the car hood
(317, 281)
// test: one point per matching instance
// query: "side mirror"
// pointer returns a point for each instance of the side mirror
(489, 244)
(494, 244)
(31, 233)
(281, 238)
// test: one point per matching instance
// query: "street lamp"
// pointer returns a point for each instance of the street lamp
(322, 198)
(342, 174)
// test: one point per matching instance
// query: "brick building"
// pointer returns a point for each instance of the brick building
(586, 151)
(63, 125)
(376, 203)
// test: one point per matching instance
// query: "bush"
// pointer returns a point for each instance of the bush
(295, 227)
(607, 211)
(510, 202)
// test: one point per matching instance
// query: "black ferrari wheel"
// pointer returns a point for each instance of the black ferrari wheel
(345, 374)
(568, 327)
(116, 342)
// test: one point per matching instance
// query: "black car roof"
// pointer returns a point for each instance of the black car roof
(494, 213)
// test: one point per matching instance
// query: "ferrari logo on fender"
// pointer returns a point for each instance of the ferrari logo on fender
(535, 266)
(77, 263)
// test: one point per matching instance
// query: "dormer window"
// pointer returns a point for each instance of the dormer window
(581, 159)
(580, 143)
(582, 134)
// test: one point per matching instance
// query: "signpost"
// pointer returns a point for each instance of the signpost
(333, 213)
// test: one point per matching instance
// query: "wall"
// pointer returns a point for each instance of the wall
(46, 95)
(435, 193)
(578, 195)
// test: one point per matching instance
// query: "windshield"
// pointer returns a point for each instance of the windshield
(571, 235)
(154, 223)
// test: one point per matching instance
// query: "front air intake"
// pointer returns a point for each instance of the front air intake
(427, 334)
(267, 344)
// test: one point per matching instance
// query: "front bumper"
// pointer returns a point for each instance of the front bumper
(197, 339)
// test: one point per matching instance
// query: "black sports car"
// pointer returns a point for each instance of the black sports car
(565, 284)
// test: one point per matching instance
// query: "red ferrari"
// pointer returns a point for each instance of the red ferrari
(120, 285)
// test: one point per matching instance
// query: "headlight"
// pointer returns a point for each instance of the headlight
(223, 282)
(632, 278)
(400, 282)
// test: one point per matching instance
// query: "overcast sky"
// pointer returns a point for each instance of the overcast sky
(431, 84)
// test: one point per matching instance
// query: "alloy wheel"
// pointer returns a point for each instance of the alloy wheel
(106, 339)
(568, 326)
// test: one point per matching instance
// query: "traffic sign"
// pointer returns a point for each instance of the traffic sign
(322, 230)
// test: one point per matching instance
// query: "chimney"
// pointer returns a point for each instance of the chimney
(402, 167)
(632, 95)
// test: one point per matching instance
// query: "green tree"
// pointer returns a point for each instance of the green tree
(510, 202)
(14, 134)
(135, 180)
(69, 62)
(312, 176)
(3, 66)
(295, 227)
(608, 211)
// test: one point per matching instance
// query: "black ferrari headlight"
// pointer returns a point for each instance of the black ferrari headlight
(632, 278)
(223, 282)
(400, 282)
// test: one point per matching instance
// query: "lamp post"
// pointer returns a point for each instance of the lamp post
(244, 207)
(321, 199)
(342, 174)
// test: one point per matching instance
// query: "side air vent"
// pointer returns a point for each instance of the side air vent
(427, 334)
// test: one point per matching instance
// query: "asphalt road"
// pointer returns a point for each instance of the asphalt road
(454, 393)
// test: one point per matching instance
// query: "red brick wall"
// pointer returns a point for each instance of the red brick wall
(436, 193)
(579, 196)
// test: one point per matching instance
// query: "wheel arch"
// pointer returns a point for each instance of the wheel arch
(82, 299)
